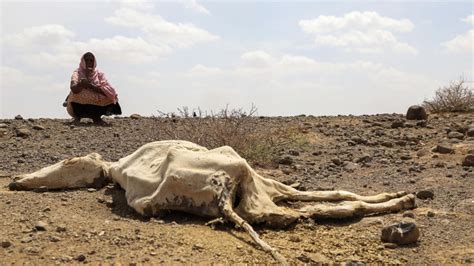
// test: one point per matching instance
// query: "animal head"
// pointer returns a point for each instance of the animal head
(89, 170)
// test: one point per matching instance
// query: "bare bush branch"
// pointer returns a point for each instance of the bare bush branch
(240, 129)
(457, 97)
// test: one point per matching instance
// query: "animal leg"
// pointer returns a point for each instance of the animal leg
(225, 205)
(290, 193)
(357, 208)
(86, 171)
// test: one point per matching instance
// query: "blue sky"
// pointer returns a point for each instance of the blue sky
(287, 58)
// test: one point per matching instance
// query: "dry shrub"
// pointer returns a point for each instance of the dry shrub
(457, 97)
(258, 142)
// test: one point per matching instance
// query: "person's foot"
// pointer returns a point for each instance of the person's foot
(99, 121)
(76, 121)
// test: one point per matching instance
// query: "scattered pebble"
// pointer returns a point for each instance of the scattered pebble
(40, 226)
(6, 244)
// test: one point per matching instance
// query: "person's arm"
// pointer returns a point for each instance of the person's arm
(76, 84)
(76, 87)
(95, 88)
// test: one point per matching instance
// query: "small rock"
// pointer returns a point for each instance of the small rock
(405, 157)
(397, 124)
(6, 244)
(91, 190)
(409, 214)
(22, 132)
(425, 194)
(422, 153)
(351, 167)
(2, 125)
(26, 239)
(40, 226)
(286, 160)
(294, 238)
(31, 250)
(430, 214)
(468, 160)
(18, 117)
(198, 247)
(304, 258)
(401, 233)
(443, 148)
(390, 245)
(60, 228)
(422, 123)
(470, 131)
(54, 239)
(336, 161)
(416, 112)
(364, 158)
(455, 135)
(38, 127)
(135, 116)
(293, 152)
(80, 258)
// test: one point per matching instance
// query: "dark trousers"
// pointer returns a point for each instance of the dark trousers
(95, 111)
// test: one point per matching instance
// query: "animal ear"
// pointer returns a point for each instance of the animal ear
(71, 161)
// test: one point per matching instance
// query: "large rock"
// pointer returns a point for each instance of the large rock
(22, 132)
(468, 160)
(455, 135)
(402, 233)
(135, 116)
(443, 148)
(470, 131)
(425, 194)
(416, 112)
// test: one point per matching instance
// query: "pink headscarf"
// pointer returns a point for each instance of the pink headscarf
(97, 79)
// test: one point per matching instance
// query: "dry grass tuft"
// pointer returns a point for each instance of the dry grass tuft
(457, 97)
(239, 129)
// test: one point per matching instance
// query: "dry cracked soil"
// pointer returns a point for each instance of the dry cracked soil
(363, 154)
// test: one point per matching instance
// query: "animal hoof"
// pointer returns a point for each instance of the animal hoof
(15, 186)
(401, 233)
(401, 194)
(409, 201)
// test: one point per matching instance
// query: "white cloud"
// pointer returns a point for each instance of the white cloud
(137, 4)
(355, 21)
(54, 46)
(365, 32)
(294, 84)
(49, 35)
(464, 42)
(257, 59)
(469, 19)
(194, 5)
(159, 30)
(461, 43)
(131, 50)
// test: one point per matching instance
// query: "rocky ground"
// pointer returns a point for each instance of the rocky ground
(363, 154)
